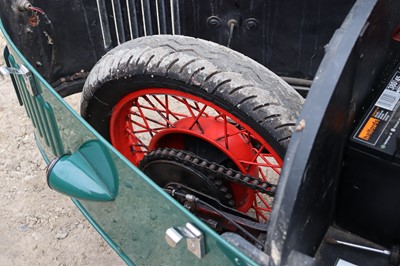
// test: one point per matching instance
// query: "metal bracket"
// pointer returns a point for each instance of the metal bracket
(22, 71)
(5, 71)
(194, 238)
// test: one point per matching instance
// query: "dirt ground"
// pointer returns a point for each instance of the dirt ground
(37, 225)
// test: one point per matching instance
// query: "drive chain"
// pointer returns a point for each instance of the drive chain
(212, 169)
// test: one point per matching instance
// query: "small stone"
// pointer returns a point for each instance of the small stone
(24, 228)
(62, 234)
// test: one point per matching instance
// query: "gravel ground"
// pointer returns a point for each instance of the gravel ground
(37, 225)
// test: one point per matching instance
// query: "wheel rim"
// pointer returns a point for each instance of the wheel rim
(149, 118)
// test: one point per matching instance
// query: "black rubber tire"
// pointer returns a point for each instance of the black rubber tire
(218, 74)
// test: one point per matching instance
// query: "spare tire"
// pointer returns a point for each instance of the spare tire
(194, 95)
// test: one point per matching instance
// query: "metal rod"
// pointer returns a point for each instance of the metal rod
(128, 10)
(172, 16)
(162, 16)
(100, 8)
(297, 81)
(133, 13)
(143, 19)
(381, 251)
(115, 21)
(158, 17)
(147, 17)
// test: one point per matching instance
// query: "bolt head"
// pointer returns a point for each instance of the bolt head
(214, 22)
(252, 24)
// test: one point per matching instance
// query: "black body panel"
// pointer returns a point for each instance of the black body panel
(288, 37)
(356, 58)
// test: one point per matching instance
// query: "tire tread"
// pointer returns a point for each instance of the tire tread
(222, 72)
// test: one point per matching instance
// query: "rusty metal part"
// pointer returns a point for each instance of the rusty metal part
(34, 20)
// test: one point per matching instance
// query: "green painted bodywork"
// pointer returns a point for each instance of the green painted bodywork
(38, 110)
(87, 174)
(134, 223)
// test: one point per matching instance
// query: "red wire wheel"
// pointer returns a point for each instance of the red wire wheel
(160, 117)
(188, 94)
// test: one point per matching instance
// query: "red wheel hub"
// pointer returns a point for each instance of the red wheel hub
(161, 118)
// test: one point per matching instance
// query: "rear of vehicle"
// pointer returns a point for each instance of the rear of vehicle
(186, 138)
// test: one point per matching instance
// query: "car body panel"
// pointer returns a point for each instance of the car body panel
(134, 224)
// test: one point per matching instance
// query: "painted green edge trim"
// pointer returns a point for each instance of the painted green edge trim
(41, 150)
(46, 128)
(55, 132)
(6, 54)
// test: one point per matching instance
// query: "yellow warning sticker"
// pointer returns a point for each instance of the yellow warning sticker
(369, 128)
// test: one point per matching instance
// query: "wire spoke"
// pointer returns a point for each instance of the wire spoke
(141, 144)
(152, 113)
(166, 110)
(261, 198)
(176, 115)
(196, 119)
(158, 111)
(259, 213)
